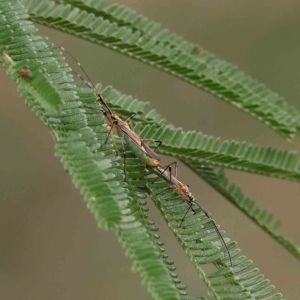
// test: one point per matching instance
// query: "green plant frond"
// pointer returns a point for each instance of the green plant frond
(199, 148)
(34, 83)
(119, 100)
(197, 236)
(141, 41)
(77, 142)
(217, 179)
(128, 18)
(127, 105)
(80, 133)
(143, 245)
(133, 231)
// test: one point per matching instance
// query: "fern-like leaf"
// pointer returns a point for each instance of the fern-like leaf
(80, 135)
(34, 83)
(199, 148)
(198, 239)
(145, 41)
(217, 179)
(202, 246)
(122, 104)
(119, 204)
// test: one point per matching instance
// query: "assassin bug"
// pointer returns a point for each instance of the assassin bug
(183, 191)
(146, 155)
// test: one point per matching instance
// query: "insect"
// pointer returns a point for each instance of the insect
(24, 73)
(183, 191)
(146, 155)
(149, 158)
(137, 145)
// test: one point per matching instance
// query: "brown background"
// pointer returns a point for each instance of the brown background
(51, 247)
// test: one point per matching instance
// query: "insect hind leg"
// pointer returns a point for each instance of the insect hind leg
(220, 237)
(190, 208)
(124, 158)
(170, 170)
(159, 142)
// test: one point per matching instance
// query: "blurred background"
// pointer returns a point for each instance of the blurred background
(51, 247)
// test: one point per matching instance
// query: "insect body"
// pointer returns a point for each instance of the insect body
(137, 145)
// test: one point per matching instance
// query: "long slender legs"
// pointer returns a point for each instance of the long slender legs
(208, 215)
(159, 142)
(168, 167)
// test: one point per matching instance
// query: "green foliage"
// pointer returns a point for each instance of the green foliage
(34, 83)
(80, 135)
(217, 179)
(173, 137)
(123, 30)
(199, 148)
(117, 199)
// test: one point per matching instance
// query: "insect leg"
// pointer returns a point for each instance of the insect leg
(168, 167)
(124, 156)
(190, 207)
(159, 142)
(130, 117)
(162, 191)
(110, 130)
(208, 215)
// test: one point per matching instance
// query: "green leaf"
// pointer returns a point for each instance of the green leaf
(123, 30)
(80, 135)
(214, 176)
(217, 179)
(202, 246)
(199, 148)
(117, 199)
(33, 82)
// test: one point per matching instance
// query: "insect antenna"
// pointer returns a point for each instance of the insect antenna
(92, 86)
(80, 66)
(98, 94)
(217, 231)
